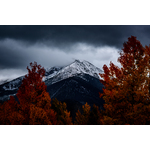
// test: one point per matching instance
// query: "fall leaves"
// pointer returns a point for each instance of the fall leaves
(126, 94)
(126, 91)
(34, 107)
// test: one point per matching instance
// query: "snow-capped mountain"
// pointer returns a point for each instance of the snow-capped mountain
(4, 81)
(75, 84)
(60, 73)
(12, 85)
(75, 68)
(58, 77)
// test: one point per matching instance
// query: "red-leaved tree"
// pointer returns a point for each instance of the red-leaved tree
(126, 91)
(34, 99)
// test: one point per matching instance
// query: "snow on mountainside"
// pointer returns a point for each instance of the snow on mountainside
(77, 67)
(13, 85)
(4, 81)
(56, 74)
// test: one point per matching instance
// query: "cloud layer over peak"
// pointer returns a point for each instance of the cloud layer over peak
(61, 45)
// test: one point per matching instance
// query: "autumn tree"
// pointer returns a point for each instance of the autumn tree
(34, 99)
(96, 116)
(82, 118)
(88, 116)
(10, 112)
(62, 114)
(126, 91)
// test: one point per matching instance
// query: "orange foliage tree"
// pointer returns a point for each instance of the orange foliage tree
(88, 116)
(34, 105)
(62, 114)
(127, 89)
(34, 99)
(10, 112)
(82, 118)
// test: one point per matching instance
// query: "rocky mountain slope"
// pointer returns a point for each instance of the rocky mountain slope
(75, 84)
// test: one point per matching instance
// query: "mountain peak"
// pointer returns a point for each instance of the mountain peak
(77, 60)
(53, 75)
(75, 68)
(60, 73)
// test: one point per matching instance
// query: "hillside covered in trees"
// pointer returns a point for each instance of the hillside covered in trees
(126, 94)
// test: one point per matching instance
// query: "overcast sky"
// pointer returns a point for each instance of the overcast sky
(61, 45)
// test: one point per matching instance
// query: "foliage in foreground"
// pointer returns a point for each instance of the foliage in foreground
(126, 95)
(34, 107)
(127, 89)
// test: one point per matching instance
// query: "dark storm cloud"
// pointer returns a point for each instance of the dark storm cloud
(60, 45)
(12, 54)
(98, 35)
(18, 54)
